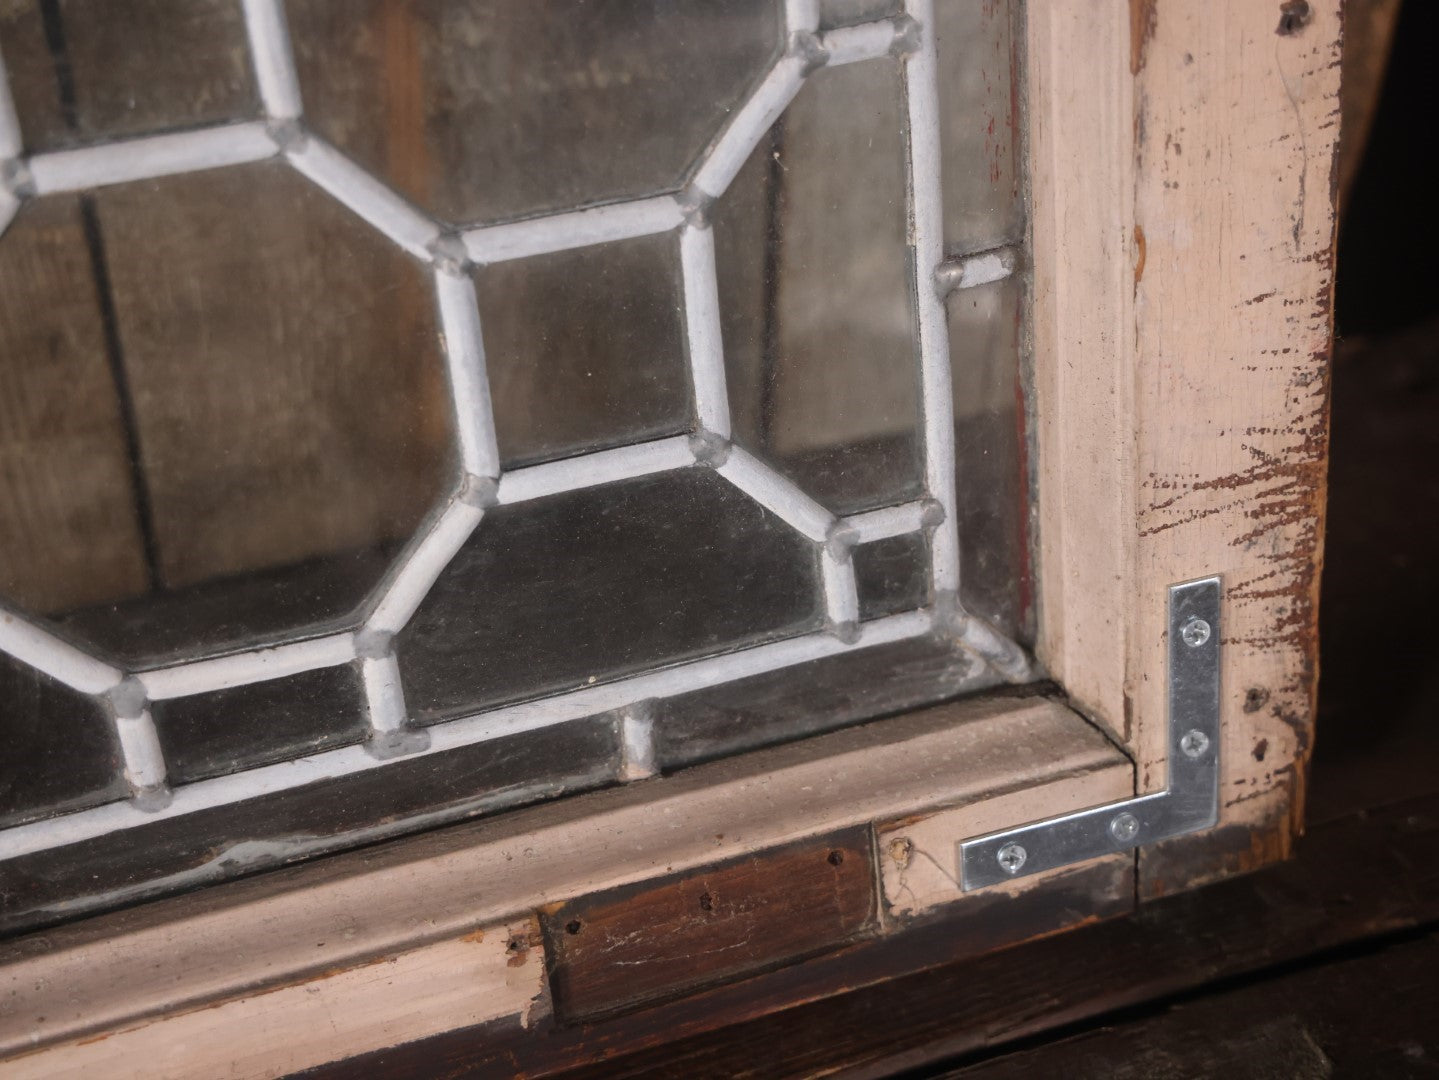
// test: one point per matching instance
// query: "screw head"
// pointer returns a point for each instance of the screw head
(1124, 827)
(1011, 858)
(1195, 632)
(1194, 743)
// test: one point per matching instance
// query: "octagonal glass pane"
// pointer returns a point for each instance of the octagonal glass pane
(486, 110)
(226, 411)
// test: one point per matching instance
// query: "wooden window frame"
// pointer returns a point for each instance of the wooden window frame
(1182, 226)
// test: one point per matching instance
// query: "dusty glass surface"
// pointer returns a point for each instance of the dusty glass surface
(247, 726)
(284, 474)
(564, 592)
(486, 110)
(979, 124)
(990, 454)
(893, 575)
(192, 424)
(585, 348)
(835, 13)
(819, 327)
(84, 70)
(60, 748)
(211, 845)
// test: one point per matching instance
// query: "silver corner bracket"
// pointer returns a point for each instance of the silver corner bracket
(1190, 801)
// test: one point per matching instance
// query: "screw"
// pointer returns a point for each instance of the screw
(1194, 743)
(1012, 858)
(1124, 827)
(1195, 632)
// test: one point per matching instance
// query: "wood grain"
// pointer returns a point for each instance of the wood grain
(1082, 195)
(1367, 875)
(1234, 194)
(614, 951)
(1183, 232)
(919, 856)
(486, 974)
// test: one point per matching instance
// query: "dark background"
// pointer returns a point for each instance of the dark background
(1379, 606)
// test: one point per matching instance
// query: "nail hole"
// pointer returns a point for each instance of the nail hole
(707, 902)
(573, 926)
(836, 857)
(1255, 699)
(1294, 15)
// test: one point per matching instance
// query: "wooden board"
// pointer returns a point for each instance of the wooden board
(482, 976)
(1356, 879)
(612, 952)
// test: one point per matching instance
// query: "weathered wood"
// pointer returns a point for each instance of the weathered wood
(486, 974)
(989, 922)
(1082, 214)
(1183, 231)
(236, 939)
(919, 856)
(613, 952)
(1235, 199)
(1363, 876)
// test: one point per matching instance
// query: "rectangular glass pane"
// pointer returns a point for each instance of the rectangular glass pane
(247, 726)
(892, 575)
(585, 348)
(980, 139)
(990, 455)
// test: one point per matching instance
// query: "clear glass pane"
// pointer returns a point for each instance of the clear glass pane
(563, 592)
(247, 726)
(197, 366)
(834, 13)
(69, 532)
(819, 330)
(837, 691)
(60, 749)
(990, 454)
(585, 348)
(282, 827)
(226, 416)
(483, 110)
(893, 575)
(92, 70)
(979, 124)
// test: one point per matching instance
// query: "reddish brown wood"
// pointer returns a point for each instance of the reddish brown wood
(612, 951)
(1356, 878)
(989, 922)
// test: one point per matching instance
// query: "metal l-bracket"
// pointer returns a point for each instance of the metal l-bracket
(1190, 801)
